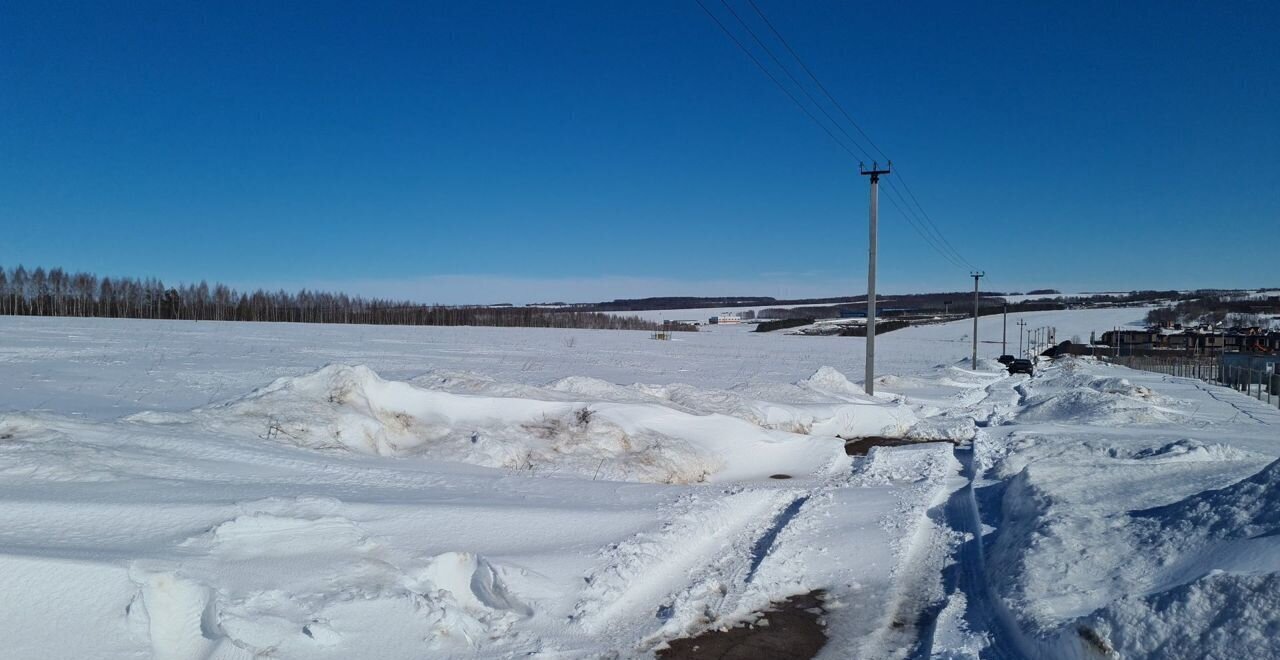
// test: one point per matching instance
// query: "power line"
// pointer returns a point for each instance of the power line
(899, 203)
(912, 210)
(895, 198)
(799, 60)
(929, 221)
(822, 87)
(797, 83)
(775, 80)
(938, 238)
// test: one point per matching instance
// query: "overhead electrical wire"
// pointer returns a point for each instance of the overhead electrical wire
(918, 217)
(770, 75)
(922, 218)
(815, 80)
(899, 202)
(797, 83)
(903, 181)
(904, 209)
(921, 215)
(904, 200)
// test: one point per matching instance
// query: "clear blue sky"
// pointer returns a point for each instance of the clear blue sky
(480, 151)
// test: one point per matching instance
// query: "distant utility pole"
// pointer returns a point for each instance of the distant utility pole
(976, 275)
(1004, 333)
(1022, 323)
(874, 173)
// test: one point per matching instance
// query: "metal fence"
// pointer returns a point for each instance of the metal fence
(1257, 383)
(1204, 368)
(1255, 376)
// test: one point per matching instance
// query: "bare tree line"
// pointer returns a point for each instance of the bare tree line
(56, 292)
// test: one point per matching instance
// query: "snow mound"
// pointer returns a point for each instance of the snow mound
(959, 428)
(1075, 375)
(825, 404)
(351, 408)
(1120, 386)
(595, 388)
(473, 581)
(1185, 450)
(1247, 509)
(912, 463)
(470, 382)
(27, 441)
(962, 370)
(831, 381)
(1086, 405)
(1220, 615)
(895, 380)
(274, 584)
(1215, 558)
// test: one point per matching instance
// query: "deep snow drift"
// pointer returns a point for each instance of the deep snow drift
(662, 434)
(351, 408)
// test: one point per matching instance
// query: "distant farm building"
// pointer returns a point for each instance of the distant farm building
(730, 317)
(846, 313)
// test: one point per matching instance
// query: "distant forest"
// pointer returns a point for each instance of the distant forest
(56, 292)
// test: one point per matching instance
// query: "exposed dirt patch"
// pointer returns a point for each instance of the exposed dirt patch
(860, 446)
(788, 630)
(1091, 636)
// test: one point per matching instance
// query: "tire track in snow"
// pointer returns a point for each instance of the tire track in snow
(657, 584)
(766, 542)
(918, 592)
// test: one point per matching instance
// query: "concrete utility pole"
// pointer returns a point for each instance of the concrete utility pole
(1004, 333)
(976, 275)
(1021, 324)
(875, 172)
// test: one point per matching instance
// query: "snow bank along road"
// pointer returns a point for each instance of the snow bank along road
(180, 490)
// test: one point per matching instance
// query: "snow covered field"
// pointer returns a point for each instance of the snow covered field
(214, 490)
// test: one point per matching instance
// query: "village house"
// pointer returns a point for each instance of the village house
(1195, 340)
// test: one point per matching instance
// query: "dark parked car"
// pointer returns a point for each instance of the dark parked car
(1021, 367)
(1005, 359)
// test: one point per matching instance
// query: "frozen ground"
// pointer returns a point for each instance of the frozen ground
(207, 490)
